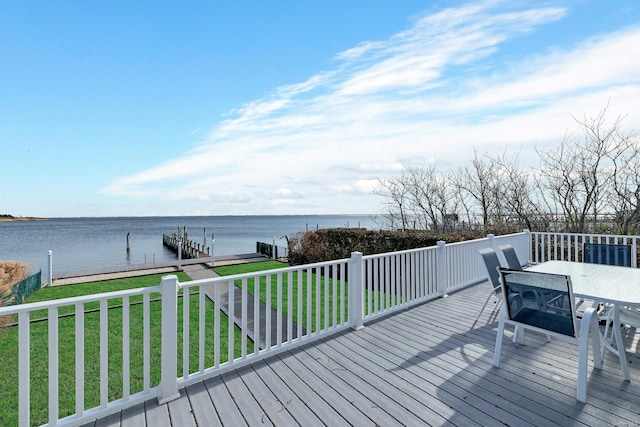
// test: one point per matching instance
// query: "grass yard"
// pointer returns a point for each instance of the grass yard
(66, 347)
(321, 302)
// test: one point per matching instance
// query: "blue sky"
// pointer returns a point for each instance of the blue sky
(289, 107)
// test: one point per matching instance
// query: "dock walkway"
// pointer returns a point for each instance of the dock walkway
(196, 269)
(204, 271)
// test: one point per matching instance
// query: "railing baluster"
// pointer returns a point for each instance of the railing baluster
(104, 354)
(267, 297)
(256, 315)
(243, 315)
(146, 342)
(202, 305)
(318, 300)
(299, 310)
(53, 364)
(24, 369)
(387, 281)
(126, 353)
(376, 295)
(343, 281)
(334, 288)
(79, 379)
(216, 325)
(279, 310)
(290, 306)
(309, 301)
(326, 292)
(185, 332)
(232, 316)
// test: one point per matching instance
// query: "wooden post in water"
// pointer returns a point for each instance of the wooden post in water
(128, 242)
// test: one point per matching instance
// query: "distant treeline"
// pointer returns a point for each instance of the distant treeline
(7, 217)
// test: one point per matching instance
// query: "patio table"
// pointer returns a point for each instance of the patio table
(618, 286)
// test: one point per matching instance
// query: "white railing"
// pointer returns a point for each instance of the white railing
(89, 315)
(568, 247)
(202, 328)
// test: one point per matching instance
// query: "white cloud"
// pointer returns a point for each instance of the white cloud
(422, 95)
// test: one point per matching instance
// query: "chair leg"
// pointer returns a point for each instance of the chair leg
(518, 335)
(498, 348)
(483, 307)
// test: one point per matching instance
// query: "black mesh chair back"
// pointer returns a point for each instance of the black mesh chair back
(605, 253)
(512, 258)
(541, 300)
(491, 262)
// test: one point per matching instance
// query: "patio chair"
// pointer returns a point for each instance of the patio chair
(605, 253)
(510, 255)
(560, 322)
(611, 254)
(491, 263)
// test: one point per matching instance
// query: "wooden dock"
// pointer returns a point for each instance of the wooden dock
(190, 248)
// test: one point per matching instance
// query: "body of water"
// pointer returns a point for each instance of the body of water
(90, 243)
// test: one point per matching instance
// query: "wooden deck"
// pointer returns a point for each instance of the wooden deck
(430, 365)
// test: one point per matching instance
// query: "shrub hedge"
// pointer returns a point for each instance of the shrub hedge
(338, 243)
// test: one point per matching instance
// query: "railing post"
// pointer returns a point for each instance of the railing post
(441, 268)
(356, 290)
(169, 356)
(529, 245)
(50, 268)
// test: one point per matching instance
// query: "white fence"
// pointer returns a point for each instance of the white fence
(202, 328)
(568, 247)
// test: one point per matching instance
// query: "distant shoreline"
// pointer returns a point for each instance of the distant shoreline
(9, 218)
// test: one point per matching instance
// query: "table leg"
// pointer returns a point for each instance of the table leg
(622, 354)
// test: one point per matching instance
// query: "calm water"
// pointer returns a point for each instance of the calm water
(88, 243)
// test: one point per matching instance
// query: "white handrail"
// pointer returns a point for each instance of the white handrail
(302, 303)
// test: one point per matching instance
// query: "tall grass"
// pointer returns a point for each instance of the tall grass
(11, 272)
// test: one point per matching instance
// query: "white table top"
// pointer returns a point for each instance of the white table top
(605, 283)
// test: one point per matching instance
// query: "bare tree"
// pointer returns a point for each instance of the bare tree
(575, 173)
(418, 199)
(396, 194)
(625, 195)
(518, 192)
(593, 171)
(477, 182)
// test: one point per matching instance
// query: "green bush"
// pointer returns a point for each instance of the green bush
(338, 243)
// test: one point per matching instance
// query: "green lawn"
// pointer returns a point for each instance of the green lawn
(66, 347)
(317, 292)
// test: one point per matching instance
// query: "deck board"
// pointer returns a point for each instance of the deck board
(290, 402)
(224, 402)
(429, 365)
(203, 410)
(133, 417)
(245, 400)
(181, 412)
(272, 409)
(343, 406)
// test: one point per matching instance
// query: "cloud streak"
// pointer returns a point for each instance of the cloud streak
(429, 93)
